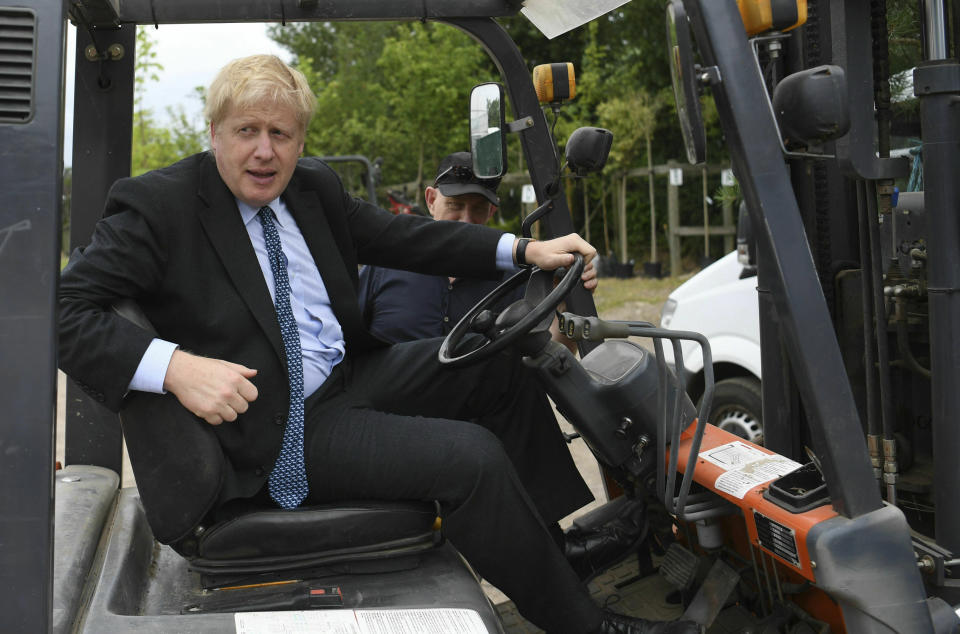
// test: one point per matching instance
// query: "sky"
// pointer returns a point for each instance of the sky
(191, 54)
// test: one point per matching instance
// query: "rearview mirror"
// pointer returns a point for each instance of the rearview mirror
(488, 143)
(684, 78)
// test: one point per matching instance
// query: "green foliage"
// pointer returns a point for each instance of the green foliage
(903, 26)
(635, 114)
(426, 99)
(727, 194)
(396, 90)
(156, 145)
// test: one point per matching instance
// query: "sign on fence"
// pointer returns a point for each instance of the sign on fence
(676, 176)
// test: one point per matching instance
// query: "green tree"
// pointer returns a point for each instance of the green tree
(396, 90)
(427, 100)
(339, 60)
(637, 115)
(155, 145)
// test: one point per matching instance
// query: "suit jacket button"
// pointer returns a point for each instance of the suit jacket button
(258, 471)
(278, 419)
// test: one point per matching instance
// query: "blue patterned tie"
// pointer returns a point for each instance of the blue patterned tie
(288, 480)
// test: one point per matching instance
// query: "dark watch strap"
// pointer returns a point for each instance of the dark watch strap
(522, 252)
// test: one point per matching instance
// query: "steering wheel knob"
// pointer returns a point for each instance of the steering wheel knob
(513, 313)
(483, 322)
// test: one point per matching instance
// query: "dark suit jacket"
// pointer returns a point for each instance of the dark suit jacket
(402, 305)
(173, 240)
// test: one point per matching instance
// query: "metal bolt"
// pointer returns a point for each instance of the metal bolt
(642, 443)
(115, 52)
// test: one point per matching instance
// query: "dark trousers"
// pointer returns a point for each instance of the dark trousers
(395, 427)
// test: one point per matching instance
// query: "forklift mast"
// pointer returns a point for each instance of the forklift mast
(858, 319)
(858, 288)
(886, 259)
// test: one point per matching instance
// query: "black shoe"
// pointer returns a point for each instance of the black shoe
(614, 623)
(590, 551)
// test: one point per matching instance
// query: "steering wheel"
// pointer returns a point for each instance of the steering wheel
(524, 315)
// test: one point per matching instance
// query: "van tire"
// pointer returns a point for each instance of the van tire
(738, 408)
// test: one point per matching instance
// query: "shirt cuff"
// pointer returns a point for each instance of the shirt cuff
(505, 253)
(153, 367)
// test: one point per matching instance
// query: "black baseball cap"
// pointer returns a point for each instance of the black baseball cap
(455, 177)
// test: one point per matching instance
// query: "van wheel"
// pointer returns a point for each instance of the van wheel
(738, 408)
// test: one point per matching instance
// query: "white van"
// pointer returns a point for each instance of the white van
(721, 303)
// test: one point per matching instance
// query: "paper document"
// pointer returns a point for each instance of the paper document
(426, 621)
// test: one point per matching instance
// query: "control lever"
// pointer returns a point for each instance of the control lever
(592, 328)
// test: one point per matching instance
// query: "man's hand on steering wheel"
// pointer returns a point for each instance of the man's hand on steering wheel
(533, 311)
(552, 254)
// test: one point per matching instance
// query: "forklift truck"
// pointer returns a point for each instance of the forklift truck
(76, 551)
(759, 541)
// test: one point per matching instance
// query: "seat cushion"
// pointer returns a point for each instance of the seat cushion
(312, 531)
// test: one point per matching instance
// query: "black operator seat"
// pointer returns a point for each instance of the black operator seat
(254, 540)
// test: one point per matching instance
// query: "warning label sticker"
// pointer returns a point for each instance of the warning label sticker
(746, 467)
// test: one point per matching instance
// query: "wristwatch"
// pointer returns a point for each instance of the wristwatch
(522, 252)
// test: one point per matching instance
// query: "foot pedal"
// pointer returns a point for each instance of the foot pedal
(679, 566)
(713, 594)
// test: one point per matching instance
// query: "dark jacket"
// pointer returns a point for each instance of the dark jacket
(174, 241)
(400, 306)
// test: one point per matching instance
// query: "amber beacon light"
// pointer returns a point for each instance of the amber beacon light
(555, 83)
(772, 15)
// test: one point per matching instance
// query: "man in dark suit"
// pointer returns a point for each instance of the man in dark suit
(261, 385)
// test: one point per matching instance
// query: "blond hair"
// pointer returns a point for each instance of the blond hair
(250, 81)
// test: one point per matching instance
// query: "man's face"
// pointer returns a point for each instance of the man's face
(257, 151)
(472, 208)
